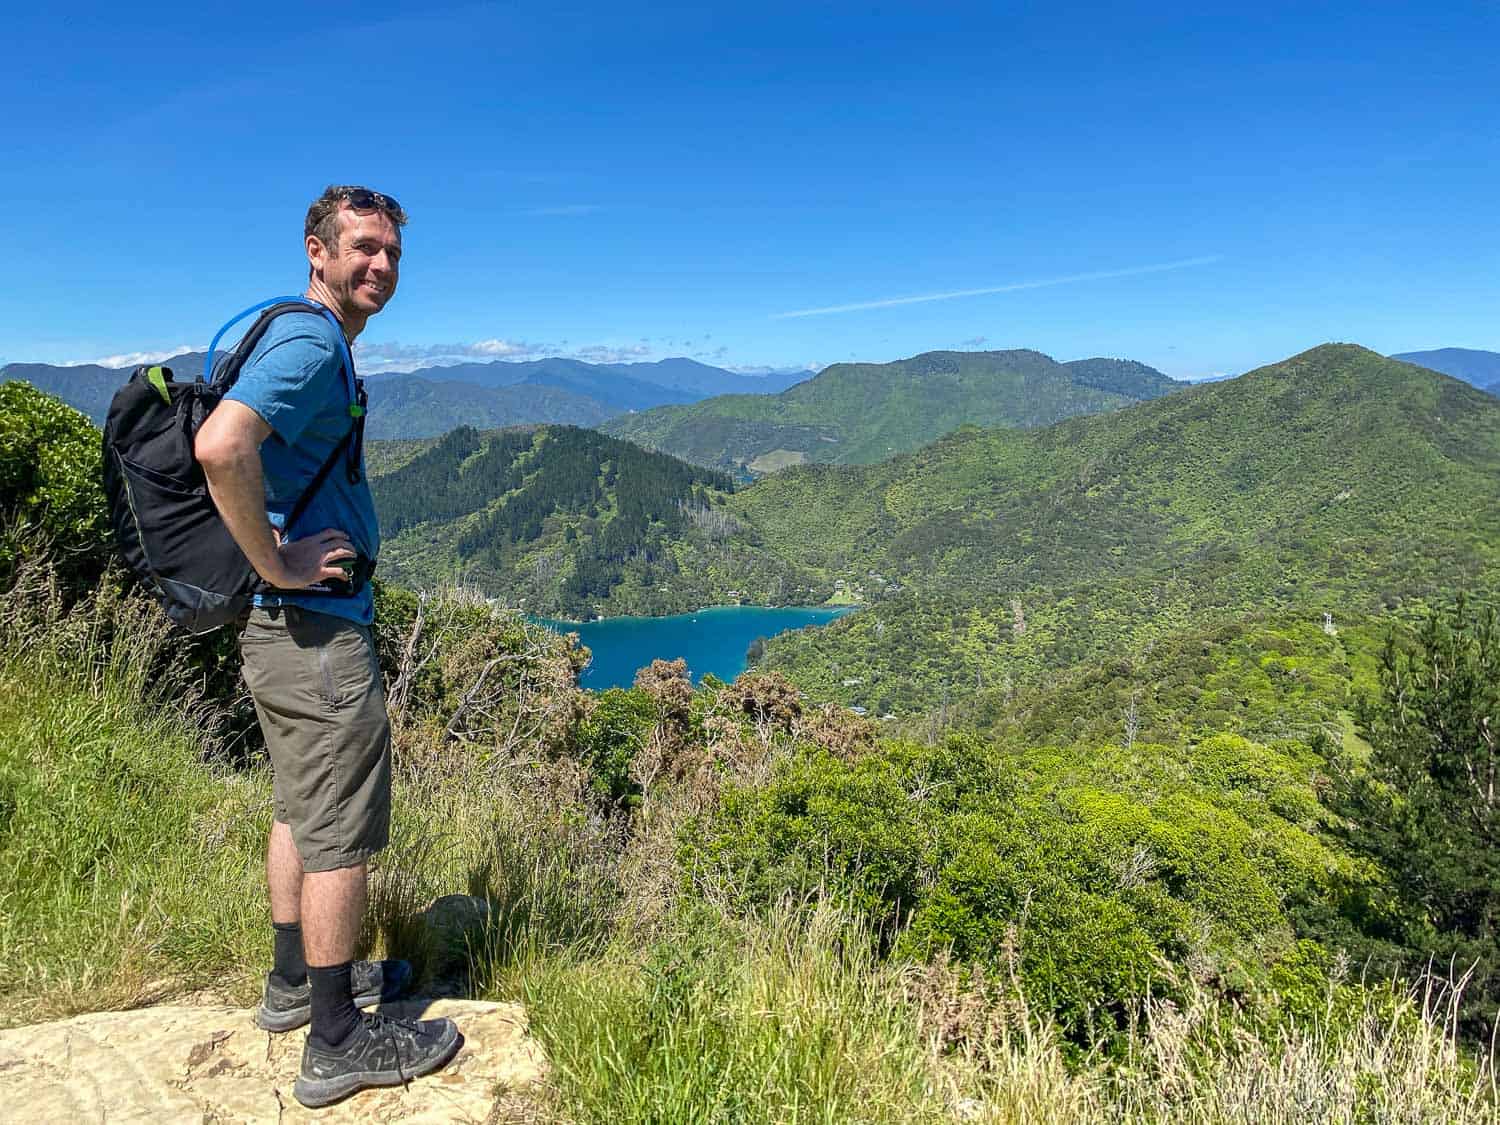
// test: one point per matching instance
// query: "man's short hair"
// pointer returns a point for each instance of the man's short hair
(323, 215)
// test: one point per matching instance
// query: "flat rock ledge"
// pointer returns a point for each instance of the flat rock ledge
(213, 1064)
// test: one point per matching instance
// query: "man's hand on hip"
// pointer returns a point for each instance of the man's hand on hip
(315, 558)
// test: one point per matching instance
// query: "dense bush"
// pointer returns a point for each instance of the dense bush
(610, 737)
(1101, 874)
(50, 486)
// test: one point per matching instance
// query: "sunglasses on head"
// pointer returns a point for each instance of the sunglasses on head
(362, 199)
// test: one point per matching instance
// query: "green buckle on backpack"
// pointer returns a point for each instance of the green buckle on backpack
(157, 377)
(356, 410)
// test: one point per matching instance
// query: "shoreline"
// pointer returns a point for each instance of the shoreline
(540, 618)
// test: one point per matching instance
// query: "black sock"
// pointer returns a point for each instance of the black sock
(289, 965)
(334, 1015)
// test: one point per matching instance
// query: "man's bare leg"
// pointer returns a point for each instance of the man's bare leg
(330, 905)
(333, 910)
(284, 875)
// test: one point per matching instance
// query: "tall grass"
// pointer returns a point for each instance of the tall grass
(132, 851)
(126, 867)
(1392, 1058)
(790, 1019)
(725, 1020)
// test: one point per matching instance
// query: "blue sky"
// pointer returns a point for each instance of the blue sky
(1202, 190)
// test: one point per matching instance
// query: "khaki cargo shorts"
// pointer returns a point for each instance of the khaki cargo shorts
(316, 684)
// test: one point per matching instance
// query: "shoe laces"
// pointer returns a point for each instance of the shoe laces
(382, 1024)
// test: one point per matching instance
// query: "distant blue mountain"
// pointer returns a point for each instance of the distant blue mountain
(626, 386)
(1479, 368)
(433, 400)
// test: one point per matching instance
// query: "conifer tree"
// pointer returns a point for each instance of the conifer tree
(1427, 807)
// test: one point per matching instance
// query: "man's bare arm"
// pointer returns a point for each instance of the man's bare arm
(228, 447)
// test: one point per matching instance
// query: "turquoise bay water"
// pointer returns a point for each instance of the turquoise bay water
(711, 640)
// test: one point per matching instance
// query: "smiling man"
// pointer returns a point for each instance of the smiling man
(309, 654)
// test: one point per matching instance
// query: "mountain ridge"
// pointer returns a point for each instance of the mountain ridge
(856, 413)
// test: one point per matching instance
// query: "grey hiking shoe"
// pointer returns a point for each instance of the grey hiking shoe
(285, 1009)
(380, 1051)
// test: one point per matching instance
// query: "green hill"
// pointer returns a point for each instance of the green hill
(1336, 481)
(858, 413)
(557, 519)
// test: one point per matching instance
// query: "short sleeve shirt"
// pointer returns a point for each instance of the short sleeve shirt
(295, 380)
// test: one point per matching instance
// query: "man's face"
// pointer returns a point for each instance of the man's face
(362, 277)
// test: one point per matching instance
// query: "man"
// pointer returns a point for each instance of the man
(309, 657)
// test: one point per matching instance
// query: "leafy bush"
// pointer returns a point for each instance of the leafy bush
(609, 738)
(1101, 876)
(50, 485)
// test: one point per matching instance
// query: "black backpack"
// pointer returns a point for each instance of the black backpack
(169, 531)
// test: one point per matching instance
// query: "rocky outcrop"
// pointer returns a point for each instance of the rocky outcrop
(212, 1064)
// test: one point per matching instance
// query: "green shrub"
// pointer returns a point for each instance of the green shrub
(1101, 876)
(50, 485)
(609, 738)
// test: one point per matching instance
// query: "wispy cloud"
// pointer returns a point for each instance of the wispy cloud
(1011, 287)
(563, 210)
(133, 359)
(395, 356)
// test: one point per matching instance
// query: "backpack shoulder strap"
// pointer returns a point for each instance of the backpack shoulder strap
(317, 482)
(269, 311)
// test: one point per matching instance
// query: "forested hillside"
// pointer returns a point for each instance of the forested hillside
(857, 413)
(558, 519)
(1265, 676)
(409, 406)
(1334, 481)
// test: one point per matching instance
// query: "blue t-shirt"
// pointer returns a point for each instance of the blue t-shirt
(295, 380)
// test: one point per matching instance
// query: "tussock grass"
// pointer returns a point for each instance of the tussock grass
(1393, 1058)
(789, 1019)
(746, 1021)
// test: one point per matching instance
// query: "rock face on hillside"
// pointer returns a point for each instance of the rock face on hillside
(215, 1065)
